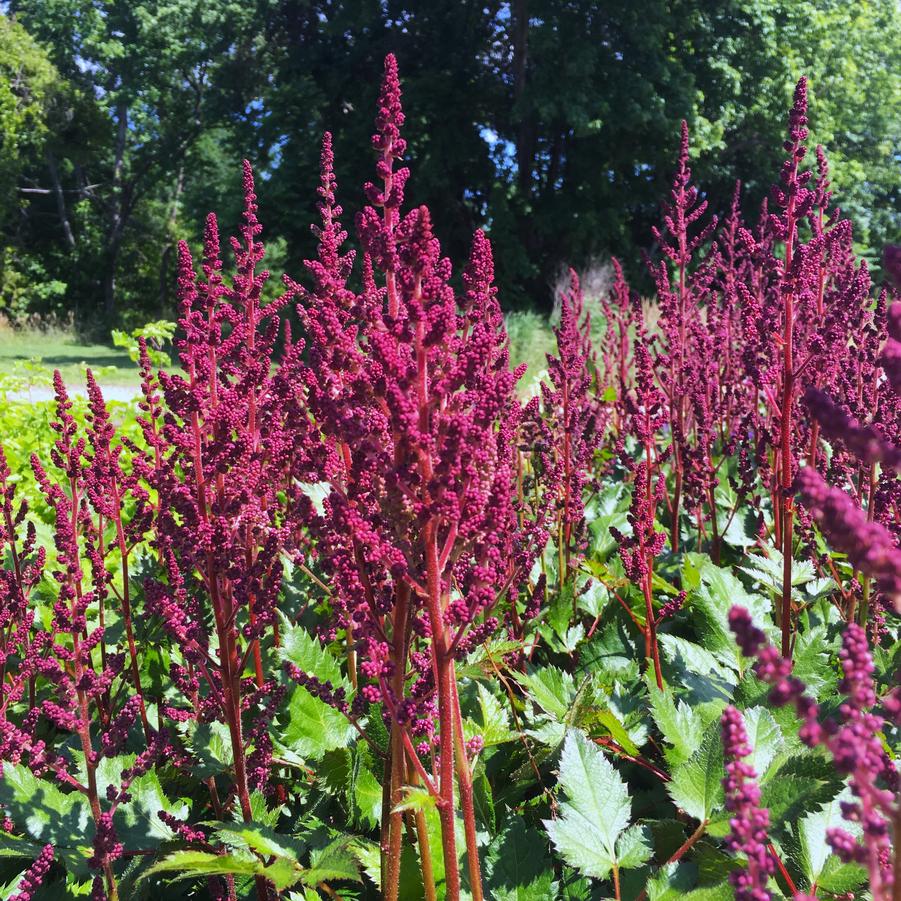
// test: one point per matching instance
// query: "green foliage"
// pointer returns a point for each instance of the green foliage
(591, 831)
(156, 334)
(696, 786)
(129, 119)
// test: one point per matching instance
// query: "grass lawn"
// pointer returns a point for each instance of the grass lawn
(29, 358)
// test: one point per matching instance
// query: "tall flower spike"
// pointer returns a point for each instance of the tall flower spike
(854, 740)
(750, 822)
(869, 545)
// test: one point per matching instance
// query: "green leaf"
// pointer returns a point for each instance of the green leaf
(308, 655)
(518, 867)
(313, 727)
(137, 823)
(336, 861)
(595, 813)
(696, 786)
(812, 854)
(608, 719)
(369, 856)
(415, 798)
(634, 847)
(704, 676)
(810, 660)
(765, 738)
(43, 812)
(550, 688)
(15, 846)
(678, 722)
(718, 592)
(495, 728)
(211, 745)
(798, 785)
(368, 797)
(768, 570)
(257, 838)
(610, 508)
(197, 864)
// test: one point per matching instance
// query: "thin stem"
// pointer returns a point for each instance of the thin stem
(680, 852)
(464, 780)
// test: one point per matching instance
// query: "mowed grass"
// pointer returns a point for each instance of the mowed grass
(29, 356)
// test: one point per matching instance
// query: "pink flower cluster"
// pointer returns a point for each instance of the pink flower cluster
(853, 741)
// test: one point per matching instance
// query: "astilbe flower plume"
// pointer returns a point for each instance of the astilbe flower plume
(853, 740)
(72, 677)
(570, 428)
(681, 320)
(749, 822)
(802, 283)
(870, 547)
(34, 876)
(233, 451)
(412, 391)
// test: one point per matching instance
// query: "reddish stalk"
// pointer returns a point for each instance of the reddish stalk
(467, 806)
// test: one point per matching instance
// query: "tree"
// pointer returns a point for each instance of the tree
(151, 66)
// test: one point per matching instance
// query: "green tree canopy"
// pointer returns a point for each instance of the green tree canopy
(553, 123)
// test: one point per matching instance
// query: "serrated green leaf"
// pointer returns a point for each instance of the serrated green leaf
(768, 570)
(495, 728)
(297, 646)
(809, 849)
(764, 736)
(611, 723)
(696, 786)
(675, 881)
(45, 813)
(718, 592)
(197, 864)
(552, 689)
(634, 847)
(678, 722)
(798, 785)
(16, 846)
(518, 867)
(368, 797)
(313, 727)
(258, 838)
(137, 823)
(596, 811)
(211, 745)
(415, 798)
(336, 861)
(369, 856)
(704, 677)
(810, 660)
(672, 882)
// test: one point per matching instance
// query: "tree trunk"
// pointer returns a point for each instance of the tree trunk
(167, 251)
(525, 138)
(118, 214)
(68, 234)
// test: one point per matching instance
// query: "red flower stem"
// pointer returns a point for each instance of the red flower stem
(785, 874)
(680, 852)
(464, 780)
(398, 768)
(442, 659)
(126, 611)
(650, 628)
(444, 670)
(786, 502)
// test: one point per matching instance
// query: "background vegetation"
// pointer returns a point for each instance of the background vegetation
(553, 124)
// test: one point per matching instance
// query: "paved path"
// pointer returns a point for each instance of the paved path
(43, 392)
